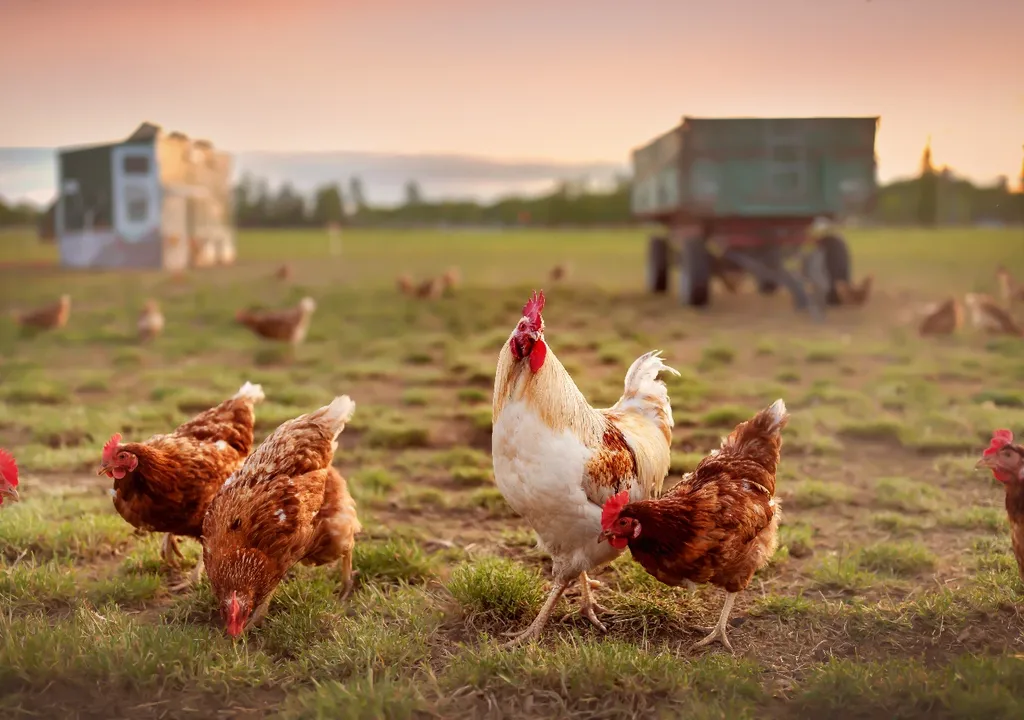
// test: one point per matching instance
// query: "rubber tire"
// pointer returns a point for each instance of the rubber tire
(657, 264)
(837, 264)
(695, 273)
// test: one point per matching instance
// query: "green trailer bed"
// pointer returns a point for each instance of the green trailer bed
(756, 168)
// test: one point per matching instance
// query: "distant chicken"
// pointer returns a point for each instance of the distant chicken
(8, 477)
(1009, 291)
(151, 321)
(557, 460)
(282, 325)
(430, 289)
(405, 285)
(1006, 461)
(451, 280)
(165, 483)
(856, 293)
(942, 319)
(719, 525)
(284, 272)
(285, 505)
(559, 273)
(988, 316)
(728, 272)
(49, 317)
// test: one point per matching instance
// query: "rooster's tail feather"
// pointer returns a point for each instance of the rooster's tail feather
(642, 386)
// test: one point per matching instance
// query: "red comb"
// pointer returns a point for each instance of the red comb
(534, 306)
(111, 447)
(1000, 439)
(612, 508)
(8, 468)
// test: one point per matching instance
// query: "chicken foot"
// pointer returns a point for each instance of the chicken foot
(589, 608)
(170, 552)
(348, 575)
(719, 631)
(542, 617)
(190, 580)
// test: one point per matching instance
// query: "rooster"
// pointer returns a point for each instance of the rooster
(166, 483)
(49, 317)
(1006, 461)
(8, 477)
(557, 460)
(282, 325)
(988, 316)
(285, 505)
(151, 321)
(719, 525)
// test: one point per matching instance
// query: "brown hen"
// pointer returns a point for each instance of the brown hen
(285, 505)
(1006, 461)
(49, 317)
(718, 526)
(282, 325)
(166, 483)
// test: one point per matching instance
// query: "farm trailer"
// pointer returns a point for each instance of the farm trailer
(751, 194)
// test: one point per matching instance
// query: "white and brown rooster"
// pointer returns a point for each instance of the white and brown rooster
(557, 460)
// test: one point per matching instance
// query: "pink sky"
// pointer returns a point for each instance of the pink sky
(562, 79)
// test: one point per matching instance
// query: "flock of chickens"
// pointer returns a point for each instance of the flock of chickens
(590, 482)
(986, 313)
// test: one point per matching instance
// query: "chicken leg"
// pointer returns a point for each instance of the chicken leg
(719, 633)
(170, 553)
(190, 580)
(348, 576)
(542, 617)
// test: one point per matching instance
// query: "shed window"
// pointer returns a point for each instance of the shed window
(135, 165)
(138, 209)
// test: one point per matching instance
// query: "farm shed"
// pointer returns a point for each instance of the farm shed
(154, 200)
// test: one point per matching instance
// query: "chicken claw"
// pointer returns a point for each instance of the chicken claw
(542, 617)
(719, 631)
(589, 608)
(170, 553)
(349, 585)
(190, 580)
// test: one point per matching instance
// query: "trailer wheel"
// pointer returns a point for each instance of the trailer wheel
(837, 264)
(657, 264)
(694, 273)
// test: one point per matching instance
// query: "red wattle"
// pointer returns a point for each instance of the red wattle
(537, 355)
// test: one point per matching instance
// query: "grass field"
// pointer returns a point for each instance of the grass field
(894, 594)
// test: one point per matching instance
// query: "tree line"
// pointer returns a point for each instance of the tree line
(935, 197)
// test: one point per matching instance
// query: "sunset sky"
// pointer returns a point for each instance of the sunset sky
(560, 79)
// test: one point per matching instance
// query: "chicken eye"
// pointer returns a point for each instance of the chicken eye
(236, 523)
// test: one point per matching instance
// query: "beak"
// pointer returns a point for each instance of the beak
(985, 462)
(104, 470)
(603, 536)
(12, 493)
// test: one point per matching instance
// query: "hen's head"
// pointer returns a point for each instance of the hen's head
(241, 581)
(8, 477)
(617, 526)
(117, 460)
(527, 339)
(1003, 458)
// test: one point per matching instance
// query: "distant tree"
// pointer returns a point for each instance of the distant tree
(928, 187)
(288, 209)
(329, 205)
(413, 196)
(356, 194)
